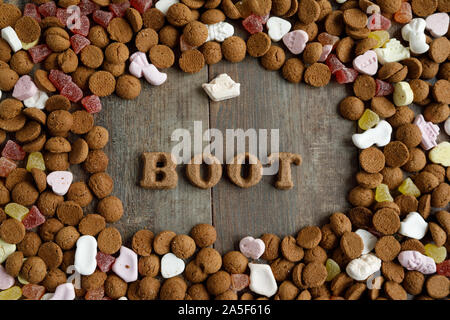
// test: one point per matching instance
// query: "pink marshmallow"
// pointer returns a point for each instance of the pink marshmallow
(65, 291)
(6, 281)
(251, 247)
(126, 265)
(140, 66)
(154, 76)
(414, 260)
(429, 131)
(24, 88)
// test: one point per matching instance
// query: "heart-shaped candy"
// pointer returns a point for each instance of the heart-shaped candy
(277, 28)
(438, 24)
(366, 63)
(60, 181)
(126, 265)
(65, 291)
(171, 266)
(413, 226)
(296, 41)
(251, 247)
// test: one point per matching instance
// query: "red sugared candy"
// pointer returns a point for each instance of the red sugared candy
(239, 282)
(95, 294)
(63, 15)
(334, 64)
(31, 10)
(72, 92)
(253, 24)
(33, 291)
(48, 9)
(59, 79)
(378, 22)
(92, 103)
(6, 166)
(33, 219)
(39, 53)
(82, 27)
(346, 75)
(443, 268)
(87, 7)
(13, 151)
(79, 42)
(104, 261)
(383, 88)
(141, 5)
(103, 18)
(118, 9)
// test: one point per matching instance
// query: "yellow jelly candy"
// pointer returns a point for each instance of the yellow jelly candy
(16, 211)
(35, 160)
(13, 293)
(438, 254)
(381, 36)
(382, 193)
(333, 269)
(368, 120)
(6, 249)
(441, 154)
(409, 188)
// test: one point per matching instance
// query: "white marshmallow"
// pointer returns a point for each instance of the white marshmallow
(380, 135)
(85, 255)
(414, 33)
(393, 51)
(277, 28)
(171, 266)
(360, 269)
(164, 5)
(369, 240)
(262, 280)
(10, 36)
(222, 88)
(413, 226)
(36, 101)
(219, 31)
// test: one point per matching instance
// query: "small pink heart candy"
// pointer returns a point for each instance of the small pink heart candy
(126, 265)
(6, 281)
(296, 41)
(24, 88)
(60, 181)
(366, 63)
(251, 247)
(438, 24)
(65, 291)
(154, 76)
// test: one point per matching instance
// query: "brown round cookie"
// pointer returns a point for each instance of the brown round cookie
(208, 260)
(80, 193)
(204, 235)
(394, 291)
(314, 274)
(47, 203)
(8, 79)
(414, 68)
(115, 287)
(183, 246)
(169, 36)
(393, 271)
(173, 289)
(134, 19)
(57, 102)
(429, 68)
(53, 279)
(98, 36)
(10, 108)
(417, 160)
(218, 283)
(194, 273)
(329, 239)
(372, 160)
(142, 242)
(293, 70)
(161, 242)
(101, 184)
(413, 282)
(396, 154)
(340, 223)
(16, 176)
(111, 208)
(24, 193)
(409, 134)
(69, 212)
(195, 33)
(352, 245)
(386, 221)
(258, 44)
(235, 262)
(162, 56)
(93, 281)
(49, 229)
(308, 11)
(57, 145)
(51, 253)
(438, 286)
(392, 177)
(83, 121)
(234, 49)
(369, 180)
(179, 15)
(436, 112)
(387, 248)
(441, 90)
(383, 107)
(102, 83)
(30, 244)
(355, 18)
(119, 30)
(420, 89)
(79, 152)
(148, 288)
(153, 18)
(212, 52)
(317, 75)
(360, 217)
(281, 268)
(361, 197)
(272, 246)
(149, 266)
(97, 138)
(12, 231)
(365, 45)
(21, 63)
(424, 8)
(364, 87)
(312, 52)
(344, 49)
(109, 240)
(128, 87)
(33, 270)
(309, 237)
(117, 53)
(29, 132)
(290, 250)
(91, 224)
(316, 254)
(273, 59)
(146, 39)
(14, 263)
(97, 161)
(191, 61)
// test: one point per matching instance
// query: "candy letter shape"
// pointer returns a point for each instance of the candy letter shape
(366, 63)
(441, 154)
(171, 266)
(380, 135)
(222, 88)
(6, 249)
(413, 226)
(164, 5)
(126, 265)
(60, 181)
(403, 95)
(10, 36)
(429, 130)
(251, 247)
(262, 280)
(360, 269)
(393, 51)
(277, 28)
(414, 260)
(438, 24)
(414, 33)
(6, 281)
(65, 291)
(75, 277)
(369, 240)
(219, 31)
(85, 255)
(24, 88)
(296, 41)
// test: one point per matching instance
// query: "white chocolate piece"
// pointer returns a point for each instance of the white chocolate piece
(380, 135)
(277, 28)
(414, 33)
(171, 266)
(393, 51)
(222, 88)
(403, 94)
(441, 154)
(262, 280)
(369, 240)
(413, 226)
(10, 36)
(164, 5)
(219, 31)
(361, 268)
(85, 255)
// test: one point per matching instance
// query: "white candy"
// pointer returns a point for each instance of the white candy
(75, 277)
(222, 88)
(6, 249)
(10, 36)
(85, 255)
(380, 135)
(0, 94)
(393, 51)
(403, 94)
(123, 298)
(413, 226)
(369, 240)
(219, 31)
(47, 296)
(277, 28)
(262, 280)
(36, 101)
(414, 33)
(164, 5)
(341, 1)
(447, 126)
(360, 269)
(171, 266)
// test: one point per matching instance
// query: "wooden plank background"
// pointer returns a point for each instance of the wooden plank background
(309, 125)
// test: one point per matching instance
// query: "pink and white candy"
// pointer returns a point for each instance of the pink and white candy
(60, 181)
(140, 66)
(251, 247)
(438, 24)
(366, 63)
(126, 265)
(429, 130)
(65, 291)
(414, 260)
(24, 88)
(6, 281)
(296, 41)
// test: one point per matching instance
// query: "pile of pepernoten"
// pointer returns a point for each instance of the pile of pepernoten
(58, 60)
